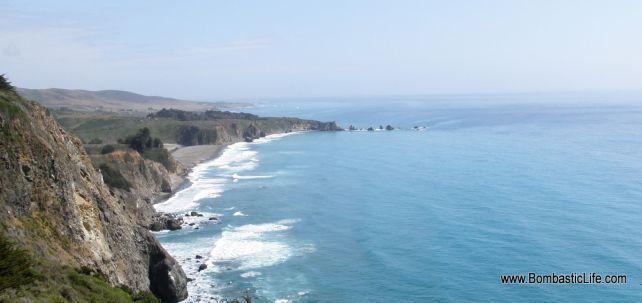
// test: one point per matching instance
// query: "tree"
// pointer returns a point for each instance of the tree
(107, 149)
(143, 140)
(157, 143)
(5, 84)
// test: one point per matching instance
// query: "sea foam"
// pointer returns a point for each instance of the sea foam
(249, 246)
(235, 158)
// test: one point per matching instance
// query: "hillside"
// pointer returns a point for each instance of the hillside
(186, 128)
(115, 101)
(64, 236)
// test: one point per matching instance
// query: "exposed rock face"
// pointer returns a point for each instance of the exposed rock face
(202, 132)
(147, 179)
(166, 277)
(53, 201)
(251, 133)
(193, 135)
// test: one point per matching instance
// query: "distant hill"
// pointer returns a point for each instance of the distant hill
(115, 101)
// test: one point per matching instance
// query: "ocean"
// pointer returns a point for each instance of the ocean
(483, 187)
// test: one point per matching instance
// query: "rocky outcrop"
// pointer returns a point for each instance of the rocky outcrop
(166, 277)
(194, 135)
(146, 180)
(230, 131)
(251, 133)
(162, 221)
(54, 202)
(326, 126)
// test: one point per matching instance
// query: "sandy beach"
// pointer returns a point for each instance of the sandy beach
(190, 156)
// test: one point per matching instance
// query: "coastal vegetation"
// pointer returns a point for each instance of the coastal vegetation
(113, 177)
(182, 115)
(23, 278)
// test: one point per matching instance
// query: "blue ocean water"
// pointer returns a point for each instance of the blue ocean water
(487, 189)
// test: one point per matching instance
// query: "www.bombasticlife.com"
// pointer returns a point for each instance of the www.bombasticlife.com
(573, 278)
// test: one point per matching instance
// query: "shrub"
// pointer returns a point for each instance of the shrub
(113, 177)
(15, 265)
(24, 279)
(161, 156)
(107, 149)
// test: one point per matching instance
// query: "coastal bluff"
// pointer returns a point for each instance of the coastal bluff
(56, 208)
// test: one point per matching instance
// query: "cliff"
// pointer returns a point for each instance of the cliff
(55, 205)
(138, 181)
(186, 128)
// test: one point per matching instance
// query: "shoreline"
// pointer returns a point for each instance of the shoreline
(189, 157)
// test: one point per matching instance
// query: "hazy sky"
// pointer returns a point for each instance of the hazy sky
(214, 50)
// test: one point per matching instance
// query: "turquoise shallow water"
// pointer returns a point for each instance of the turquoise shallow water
(419, 216)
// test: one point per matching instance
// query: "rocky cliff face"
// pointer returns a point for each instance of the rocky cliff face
(205, 132)
(54, 202)
(145, 180)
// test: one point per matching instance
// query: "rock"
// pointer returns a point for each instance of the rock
(174, 224)
(389, 127)
(370, 129)
(251, 133)
(190, 279)
(202, 267)
(194, 214)
(191, 224)
(167, 280)
(161, 221)
(156, 226)
(199, 257)
(326, 126)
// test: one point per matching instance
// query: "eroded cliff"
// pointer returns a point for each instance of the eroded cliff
(54, 203)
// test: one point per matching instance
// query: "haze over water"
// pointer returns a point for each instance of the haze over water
(413, 216)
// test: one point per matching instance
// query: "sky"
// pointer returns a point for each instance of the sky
(225, 50)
